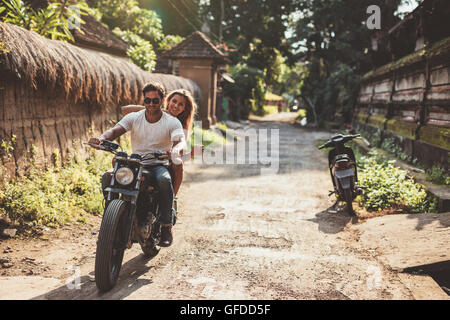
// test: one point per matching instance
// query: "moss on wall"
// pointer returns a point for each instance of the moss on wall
(377, 120)
(401, 127)
(434, 135)
(439, 48)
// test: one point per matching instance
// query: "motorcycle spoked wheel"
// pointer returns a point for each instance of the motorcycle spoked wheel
(149, 247)
(110, 245)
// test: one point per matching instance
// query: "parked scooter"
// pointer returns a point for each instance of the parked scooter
(343, 171)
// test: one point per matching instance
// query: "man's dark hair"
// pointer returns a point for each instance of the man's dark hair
(155, 86)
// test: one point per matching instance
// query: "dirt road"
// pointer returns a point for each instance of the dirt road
(241, 235)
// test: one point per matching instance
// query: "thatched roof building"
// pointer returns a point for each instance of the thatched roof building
(198, 59)
(84, 75)
(53, 93)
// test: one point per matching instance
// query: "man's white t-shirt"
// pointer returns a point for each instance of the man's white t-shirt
(151, 137)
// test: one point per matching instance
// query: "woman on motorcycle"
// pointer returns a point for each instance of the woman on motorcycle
(181, 105)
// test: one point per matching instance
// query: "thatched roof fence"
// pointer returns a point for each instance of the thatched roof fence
(84, 75)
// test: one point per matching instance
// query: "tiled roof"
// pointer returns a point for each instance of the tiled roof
(98, 36)
(197, 45)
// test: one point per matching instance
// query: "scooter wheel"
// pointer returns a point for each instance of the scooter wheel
(349, 201)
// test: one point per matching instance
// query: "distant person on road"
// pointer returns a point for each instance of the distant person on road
(280, 106)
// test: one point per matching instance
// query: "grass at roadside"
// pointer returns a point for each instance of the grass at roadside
(57, 195)
(207, 138)
(270, 109)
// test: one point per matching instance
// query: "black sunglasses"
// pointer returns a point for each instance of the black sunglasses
(152, 101)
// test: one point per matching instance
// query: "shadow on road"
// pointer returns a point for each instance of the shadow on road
(333, 220)
(440, 272)
(427, 218)
(128, 283)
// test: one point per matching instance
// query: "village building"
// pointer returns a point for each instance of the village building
(197, 58)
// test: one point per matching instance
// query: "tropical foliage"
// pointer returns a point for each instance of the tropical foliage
(140, 27)
(54, 22)
(334, 44)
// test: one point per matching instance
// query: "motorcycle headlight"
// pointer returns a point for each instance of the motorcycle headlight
(124, 176)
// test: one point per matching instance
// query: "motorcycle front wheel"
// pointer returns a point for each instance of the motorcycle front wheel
(110, 245)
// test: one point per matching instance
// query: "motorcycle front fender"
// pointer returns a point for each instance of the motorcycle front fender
(133, 193)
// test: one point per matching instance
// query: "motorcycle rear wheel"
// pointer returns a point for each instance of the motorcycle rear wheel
(110, 245)
(349, 201)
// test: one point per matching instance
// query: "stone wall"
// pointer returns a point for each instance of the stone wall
(409, 101)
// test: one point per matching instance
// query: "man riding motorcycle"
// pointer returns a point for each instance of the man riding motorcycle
(154, 130)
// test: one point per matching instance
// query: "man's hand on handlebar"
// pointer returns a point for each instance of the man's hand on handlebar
(95, 141)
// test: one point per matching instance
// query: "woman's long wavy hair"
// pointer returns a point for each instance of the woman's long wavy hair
(187, 116)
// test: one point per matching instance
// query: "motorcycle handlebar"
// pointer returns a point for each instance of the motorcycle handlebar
(345, 139)
(105, 145)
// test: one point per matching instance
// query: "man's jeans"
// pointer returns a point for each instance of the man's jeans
(160, 175)
(163, 180)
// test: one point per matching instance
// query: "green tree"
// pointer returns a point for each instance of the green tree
(140, 27)
(248, 94)
(53, 21)
(335, 43)
(255, 31)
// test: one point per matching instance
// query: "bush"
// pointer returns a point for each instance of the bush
(438, 175)
(57, 195)
(140, 51)
(389, 187)
(390, 145)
